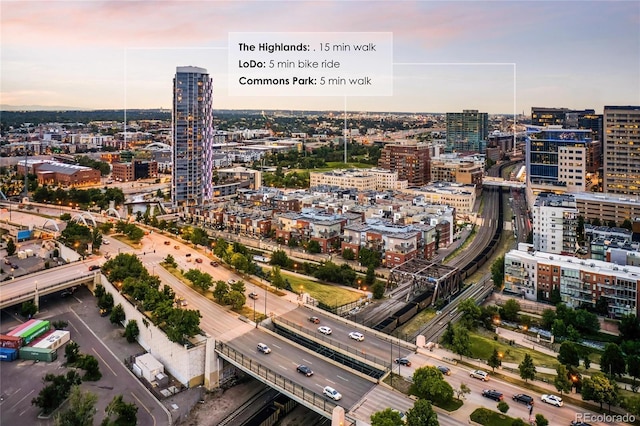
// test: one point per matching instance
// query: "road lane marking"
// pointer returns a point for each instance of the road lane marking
(331, 381)
(144, 406)
(276, 346)
(105, 362)
(340, 377)
(308, 362)
(21, 399)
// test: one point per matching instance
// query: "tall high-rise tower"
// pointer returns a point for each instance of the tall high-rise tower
(192, 125)
(467, 131)
(621, 150)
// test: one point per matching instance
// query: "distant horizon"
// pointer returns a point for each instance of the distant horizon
(495, 57)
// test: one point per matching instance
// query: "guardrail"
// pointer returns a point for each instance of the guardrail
(277, 381)
(345, 348)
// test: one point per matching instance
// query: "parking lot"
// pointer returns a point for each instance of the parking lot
(22, 380)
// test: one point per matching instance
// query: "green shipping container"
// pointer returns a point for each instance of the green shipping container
(38, 354)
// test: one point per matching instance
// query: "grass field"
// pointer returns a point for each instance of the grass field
(482, 348)
(488, 417)
(328, 294)
(333, 165)
(416, 323)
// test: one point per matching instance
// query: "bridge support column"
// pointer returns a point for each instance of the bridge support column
(211, 366)
(337, 416)
(36, 298)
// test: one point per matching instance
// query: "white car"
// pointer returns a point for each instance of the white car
(106, 242)
(356, 336)
(479, 374)
(324, 330)
(332, 393)
(553, 400)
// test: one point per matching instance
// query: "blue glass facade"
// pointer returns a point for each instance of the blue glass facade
(542, 151)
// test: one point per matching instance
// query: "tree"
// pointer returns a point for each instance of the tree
(91, 367)
(470, 313)
(422, 414)
(495, 360)
(386, 417)
(602, 306)
(568, 354)
(573, 334)
(71, 352)
(238, 286)
(429, 383)
(276, 278)
(314, 247)
(447, 336)
(586, 361)
(131, 331)
(236, 299)
(58, 389)
(106, 301)
(559, 329)
(633, 367)
(555, 297)
(503, 407)
(279, 258)
(629, 327)
(378, 290)
(28, 309)
(348, 254)
(181, 323)
(117, 314)
(59, 325)
(239, 262)
(548, 317)
(461, 342)
(462, 391)
(82, 408)
(541, 420)
(510, 310)
(96, 236)
(370, 278)
(220, 291)
(561, 381)
(126, 413)
(612, 360)
(170, 261)
(497, 272)
(527, 368)
(586, 322)
(600, 389)
(11, 247)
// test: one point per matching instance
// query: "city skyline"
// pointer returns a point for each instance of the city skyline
(447, 56)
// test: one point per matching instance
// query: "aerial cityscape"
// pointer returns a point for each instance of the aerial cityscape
(320, 213)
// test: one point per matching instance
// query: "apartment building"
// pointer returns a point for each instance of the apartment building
(535, 275)
(621, 150)
(410, 161)
(555, 218)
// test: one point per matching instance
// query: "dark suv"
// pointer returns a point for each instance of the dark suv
(492, 394)
(523, 399)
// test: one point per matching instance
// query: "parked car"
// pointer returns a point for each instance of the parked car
(212, 263)
(188, 255)
(176, 247)
(324, 330)
(94, 267)
(444, 370)
(356, 336)
(403, 361)
(314, 320)
(253, 295)
(231, 281)
(523, 399)
(304, 370)
(198, 260)
(552, 399)
(104, 312)
(264, 348)
(65, 293)
(332, 393)
(105, 242)
(167, 243)
(492, 394)
(479, 374)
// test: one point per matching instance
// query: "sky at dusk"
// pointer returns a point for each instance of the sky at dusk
(447, 55)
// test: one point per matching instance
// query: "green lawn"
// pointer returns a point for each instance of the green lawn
(488, 417)
(328, 294)
(416, 323)
(482, 347)
(333, 165)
